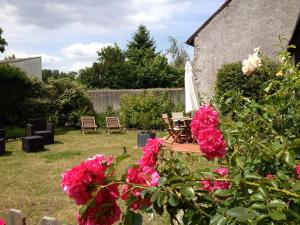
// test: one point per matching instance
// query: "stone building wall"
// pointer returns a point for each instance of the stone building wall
(31, 66)
(233, 34)
(101, 99)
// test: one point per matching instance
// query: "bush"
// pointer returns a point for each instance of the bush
(69, 101)
(101, 117)
(13, 84)
(144, 111)
(230, 79)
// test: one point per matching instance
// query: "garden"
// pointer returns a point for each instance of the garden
(247, 169)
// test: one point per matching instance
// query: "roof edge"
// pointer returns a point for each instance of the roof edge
(18, 59)
(295, 30)
(190, 41)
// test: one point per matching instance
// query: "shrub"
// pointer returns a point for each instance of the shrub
(101, 117)
(13, 84)
(69, 100)
(230, 79)
(144, 111)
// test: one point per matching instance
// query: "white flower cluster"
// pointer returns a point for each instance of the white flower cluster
(252, 63)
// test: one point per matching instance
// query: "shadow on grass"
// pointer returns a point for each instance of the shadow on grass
(6, 153)
(58, 142)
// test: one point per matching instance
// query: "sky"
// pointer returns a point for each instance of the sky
(68, 33)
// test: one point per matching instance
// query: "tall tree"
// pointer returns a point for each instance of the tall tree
(178, 53)
(148, 68)
(3, 43)
(110, 71)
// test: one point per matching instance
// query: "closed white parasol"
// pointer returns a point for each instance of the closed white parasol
(191, 100)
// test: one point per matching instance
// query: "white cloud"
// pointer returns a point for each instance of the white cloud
(47, 27)
(83, 51)
(79, 55)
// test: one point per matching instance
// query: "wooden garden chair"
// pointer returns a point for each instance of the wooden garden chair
(173, 132)
(88, 124)
(113, 125)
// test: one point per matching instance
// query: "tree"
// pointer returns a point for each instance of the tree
(3, 43)
(110, 71)
(149, 68)
(178, 53)
(10, 57)
(56, 74)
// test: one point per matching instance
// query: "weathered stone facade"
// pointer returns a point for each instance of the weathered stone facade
(31, 66)
(233, 33)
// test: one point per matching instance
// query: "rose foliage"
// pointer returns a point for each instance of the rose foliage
(247, 170)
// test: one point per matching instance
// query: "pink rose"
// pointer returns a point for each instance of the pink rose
(207, 185)
(2, 221)
(211, 143)
(205, 117)
(270, 176)
(222, 171)
(298, 170)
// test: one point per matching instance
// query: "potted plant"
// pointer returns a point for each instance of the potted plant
(146, 125)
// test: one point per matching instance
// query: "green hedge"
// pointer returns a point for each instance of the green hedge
(62, 101)
(69, 101)
(14, 85)
(144, 111)
(231, 80)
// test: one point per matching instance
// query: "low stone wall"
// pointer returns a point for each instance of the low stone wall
(101, 99)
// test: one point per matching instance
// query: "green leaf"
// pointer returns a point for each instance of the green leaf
(281, 175)
(296, 186)
(263, 191)
(132, 218)
(277, 215)
(277, 203)
(258, 206)
(237, 179)
(289, 158)
(162, 181)
(188, 192)
(161, 200)
(154, 196)
(242, 214)
(83, 208)
(218, 220)
(257, 197)
(253, 176)
(143, 193)
(222, 193)
(173, 200)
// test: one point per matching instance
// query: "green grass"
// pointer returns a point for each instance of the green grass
(30, 182)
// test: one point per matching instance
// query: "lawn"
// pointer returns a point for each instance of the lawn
(30, 182)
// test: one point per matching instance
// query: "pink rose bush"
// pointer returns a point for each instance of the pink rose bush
(204, 127)
(2, 221)
(211, 185)
(82, 183)
(144, 175)
(92, 184)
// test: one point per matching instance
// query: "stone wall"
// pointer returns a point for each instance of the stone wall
(101, 99)
(233, 34)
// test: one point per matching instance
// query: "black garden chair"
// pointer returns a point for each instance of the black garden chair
(40, 127)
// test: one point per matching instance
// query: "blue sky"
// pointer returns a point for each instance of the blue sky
(67, 34)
